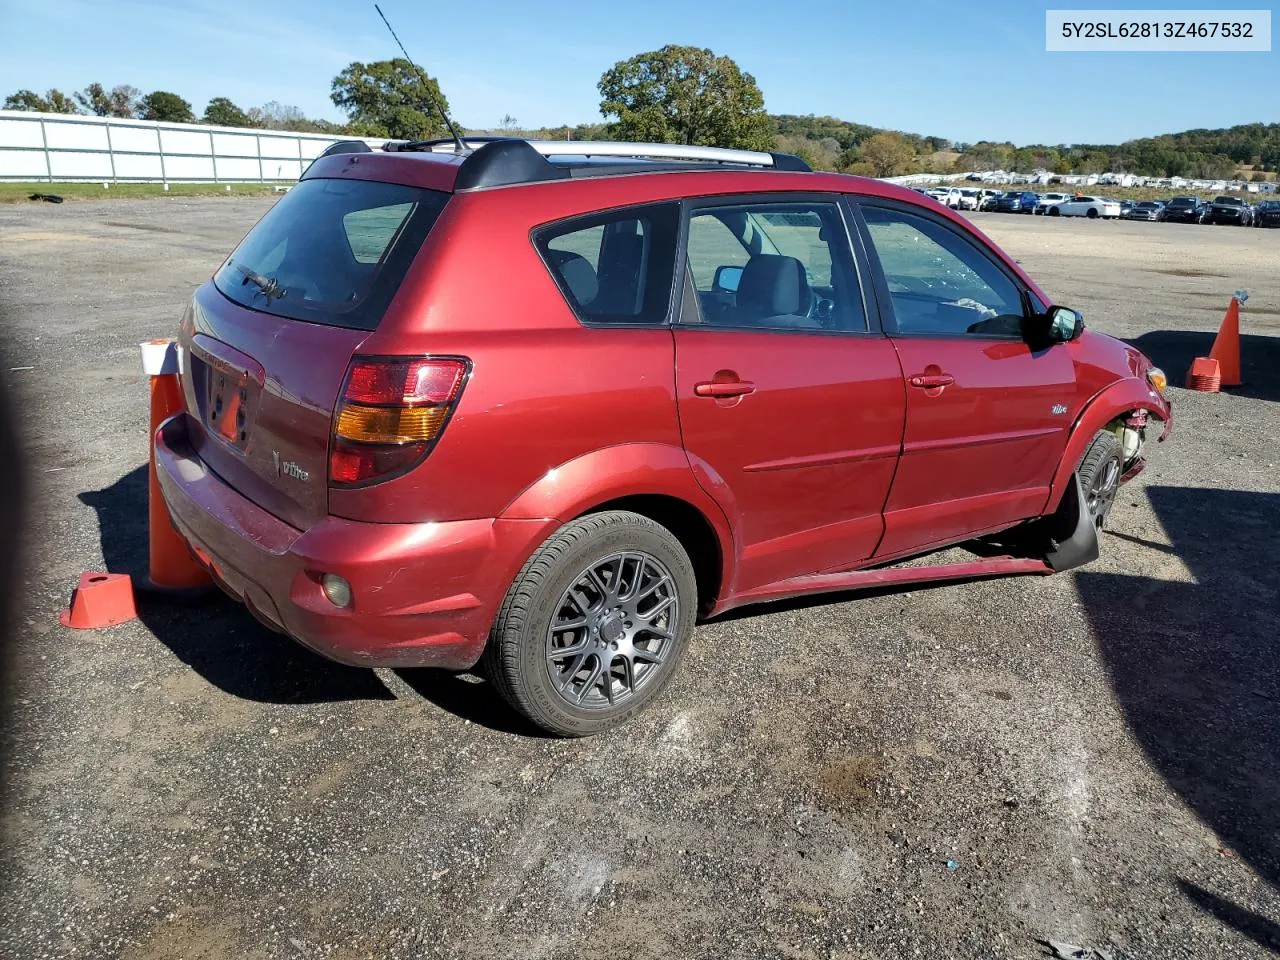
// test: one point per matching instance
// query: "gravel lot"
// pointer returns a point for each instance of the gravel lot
(950, 772)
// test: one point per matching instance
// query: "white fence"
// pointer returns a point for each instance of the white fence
(55, 146)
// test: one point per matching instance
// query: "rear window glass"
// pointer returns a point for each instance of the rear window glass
(331, 251)
(615, 267)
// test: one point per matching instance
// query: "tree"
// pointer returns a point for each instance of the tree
(221, 112)
(124, 101)
(26, 100)
(274, 115)
(59, 102)
(890, 154)
(94, 99)
(55, 101)
(166, 106)
(121, 101)
(685, 95)
(390, 98)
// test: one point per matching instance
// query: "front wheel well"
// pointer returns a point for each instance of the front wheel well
(690, 527)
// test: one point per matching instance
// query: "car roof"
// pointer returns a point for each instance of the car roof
(436, 168)
(485, 162)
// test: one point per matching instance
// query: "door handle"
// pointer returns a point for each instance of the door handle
(723, 388)
(932, 381)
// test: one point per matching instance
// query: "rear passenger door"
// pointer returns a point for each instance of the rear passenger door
(791, 404)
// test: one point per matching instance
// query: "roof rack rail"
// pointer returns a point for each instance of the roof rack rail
(502, 161)
(346, 146)
(617, 148)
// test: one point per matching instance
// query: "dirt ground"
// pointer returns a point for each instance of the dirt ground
(953, 772)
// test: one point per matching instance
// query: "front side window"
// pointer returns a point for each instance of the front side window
(331, 251)
(780, 266)
(615, 267)
(939, 282)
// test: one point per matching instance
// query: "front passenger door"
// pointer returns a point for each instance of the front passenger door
(987, 415)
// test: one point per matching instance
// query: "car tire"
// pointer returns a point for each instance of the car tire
(1099, 471)
(1093, 213)
(632, 586)
(1055, 212)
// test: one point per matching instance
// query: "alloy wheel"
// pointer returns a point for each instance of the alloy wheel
(612, 630)
(1103, 490)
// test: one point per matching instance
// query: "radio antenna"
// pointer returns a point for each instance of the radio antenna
(458, 145)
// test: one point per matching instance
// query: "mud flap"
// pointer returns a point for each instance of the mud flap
(1072, 536)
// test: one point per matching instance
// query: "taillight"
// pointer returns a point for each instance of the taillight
(392, 411)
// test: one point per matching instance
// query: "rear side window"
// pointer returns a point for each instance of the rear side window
(774, 265)
(615, 267)
(331, 251)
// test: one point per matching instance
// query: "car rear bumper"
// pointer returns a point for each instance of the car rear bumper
(424, 595)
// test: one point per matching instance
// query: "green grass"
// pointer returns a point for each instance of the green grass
(19, 192)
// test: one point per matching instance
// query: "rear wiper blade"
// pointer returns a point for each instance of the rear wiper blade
(269, 286)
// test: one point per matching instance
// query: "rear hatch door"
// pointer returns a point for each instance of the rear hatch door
(268, 340)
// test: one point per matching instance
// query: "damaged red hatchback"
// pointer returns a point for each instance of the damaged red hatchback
(549, 403)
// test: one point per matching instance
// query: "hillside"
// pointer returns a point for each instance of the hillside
(1194, 153)
(829, 143)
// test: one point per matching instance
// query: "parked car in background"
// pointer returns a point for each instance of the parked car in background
(1050, 200)
(947, 196)
(1125, 205)
(1229, 210)
(1016, 202)
(1091, 207)
(1182, 210)
(968, 199)
(379, 463)
(1267, 214)
(989, 199)
(1145, 210)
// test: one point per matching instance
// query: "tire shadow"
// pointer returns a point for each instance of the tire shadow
(214, 635)
(1256, 927)
(1194, 671)
(471, 697)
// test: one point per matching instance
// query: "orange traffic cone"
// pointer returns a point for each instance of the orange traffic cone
(100, 600)
(171, 568)
(1205, 375)
(1226, 345)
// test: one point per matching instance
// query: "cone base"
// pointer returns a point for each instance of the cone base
(100, 600)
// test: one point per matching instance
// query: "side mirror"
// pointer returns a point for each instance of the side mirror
(727, 279)
(1055, 325)
(1064, 324)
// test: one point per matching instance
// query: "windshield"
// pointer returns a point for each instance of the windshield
(331, 251)
(1233, 201)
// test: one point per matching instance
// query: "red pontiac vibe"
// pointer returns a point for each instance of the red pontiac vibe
(546, 407)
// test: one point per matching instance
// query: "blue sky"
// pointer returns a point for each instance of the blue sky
(966, 73)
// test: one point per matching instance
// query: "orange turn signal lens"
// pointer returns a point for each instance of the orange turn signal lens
(390, 424)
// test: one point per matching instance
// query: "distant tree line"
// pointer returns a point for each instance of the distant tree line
(1195, 153)
(129, 103)
(688, 95)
